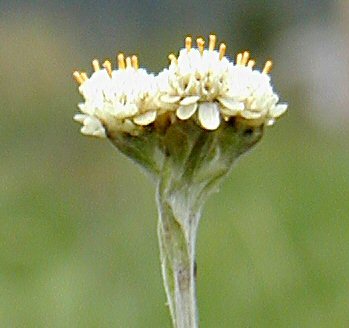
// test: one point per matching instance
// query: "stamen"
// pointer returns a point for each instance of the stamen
(78, 78)
(201, 43)
(267, 67)
(238, 59)
(121, 61)
(245, 58)
(222, 50)
(135, 63)
(84, 76)
(95, 65)
(188, 43)
(172, 58)
(251, 63)
(128, 62)
(108, 68)
(212, 42)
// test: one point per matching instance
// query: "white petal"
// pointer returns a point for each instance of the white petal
(169, 99)
(231, 104)
(87, 107)
(82, 107)
(278, 110)
(80, 118)
(189, 100)
(99, 133)
(92, 126)
(124, 111)
(229, 112)
(270, 122)
(209, 116)
(185, 112)
(145, 119)
(250, 115)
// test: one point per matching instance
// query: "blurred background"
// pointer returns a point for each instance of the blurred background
(78, 243)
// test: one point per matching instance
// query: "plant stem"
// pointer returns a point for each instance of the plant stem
(177, 254)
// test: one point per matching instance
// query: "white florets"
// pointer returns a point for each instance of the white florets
(200, 84)
(119, 102)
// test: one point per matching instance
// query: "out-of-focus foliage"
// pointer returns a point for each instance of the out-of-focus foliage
(78, 244)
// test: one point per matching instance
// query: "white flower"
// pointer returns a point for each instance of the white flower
(91, 125)
(204, 81)
(120, 100)
(201, 84)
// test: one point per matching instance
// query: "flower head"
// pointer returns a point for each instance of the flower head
(205, 81)
(200, 84)
(120, 100)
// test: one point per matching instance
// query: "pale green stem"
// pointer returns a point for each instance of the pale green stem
(177, 237)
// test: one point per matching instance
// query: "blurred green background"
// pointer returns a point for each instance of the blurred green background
(78, 243)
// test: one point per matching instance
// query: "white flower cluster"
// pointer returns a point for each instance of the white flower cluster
(201, 84)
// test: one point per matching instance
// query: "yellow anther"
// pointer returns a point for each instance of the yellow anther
(267, 67)
(108, 68)
(128, 62)
(201, 44)
(245, 58)
(172, 58)
(84, 76)
(222, 50)
(212, 42)
(95, 65)
(135, 63)
(78, 78)
(239, 59)
(251, 63)
(121, 61)
(188, 43)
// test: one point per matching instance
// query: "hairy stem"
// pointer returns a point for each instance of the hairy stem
(177, 237)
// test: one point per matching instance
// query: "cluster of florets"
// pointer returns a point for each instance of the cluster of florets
(201, 85)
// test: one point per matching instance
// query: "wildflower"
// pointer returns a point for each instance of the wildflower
(201, 84)
(180, 127)
(120, 100)
(204, 81)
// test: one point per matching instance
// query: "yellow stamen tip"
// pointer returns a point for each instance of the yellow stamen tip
(188, 42)
(212, 42)
(222, 50)
(135, 63)
(172, 58)
(200, 43)
(239, 59)
(108, 67)
(121, 61)
(267, 67)
(95, 65)
(128, 62)
(245, 58)
(78, 78)
(251, 63)
(84, 76)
